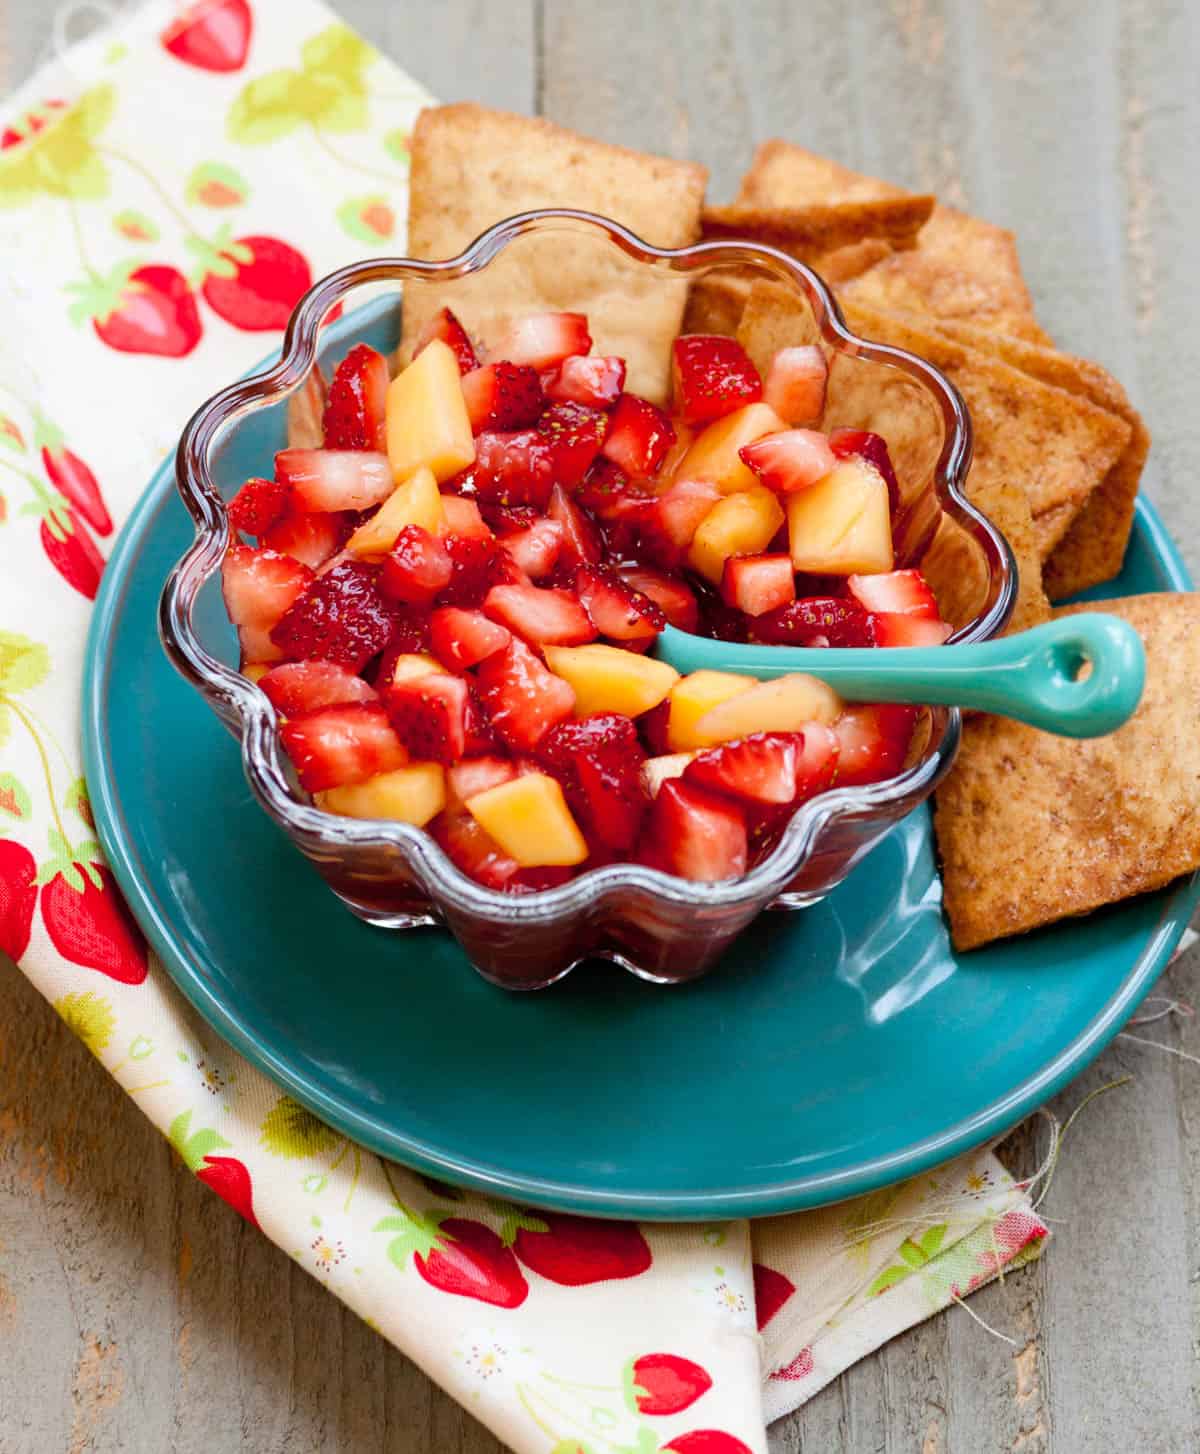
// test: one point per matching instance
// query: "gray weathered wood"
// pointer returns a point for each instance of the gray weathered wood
(132, 1301)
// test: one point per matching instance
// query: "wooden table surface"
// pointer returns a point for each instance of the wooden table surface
(139, 1314)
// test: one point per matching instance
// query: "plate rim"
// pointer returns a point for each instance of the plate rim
(795, 1194)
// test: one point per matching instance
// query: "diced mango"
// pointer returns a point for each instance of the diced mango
(694, 695)
(254, 671)
(607, 679)
(410, 666)
(782, 705)
(841, 526)
(529, 818)
(656, 770)
(714, 452)
(741, 524)
(416, 502)
(427, 422)
(412, 794)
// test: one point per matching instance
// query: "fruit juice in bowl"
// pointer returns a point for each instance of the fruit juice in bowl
(444, 681)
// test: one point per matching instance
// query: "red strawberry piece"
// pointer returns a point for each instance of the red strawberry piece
(263, 281)
(517, 468)
(594, 381)
(639, 435)
(340, 745)
(543, 616)
(893, 630)
(473, 850)
(341, 617)
(260, 585)
(461, 639)
(213, 35)
(354, 412)
(608, 492)
(652, 728)
(598, 760)
(87, 920)
(577, 1251)
(476, 775)
(712, 375)
(846, 443)
(896, 593)
(673, 596)
(873, 742)
(310, 538)
(678, 512)
(445, 325)
(481, 739)
(324, 480)
(230, 1180)
(429, 716)
(534, 880)
(543, 340)
(307, 686)
(581, 542)
(695, 834)
(791, 460)
(508, 519)
(416, 568)
(761, 769)
(757, 584)
(70, 476)
(664, 1383)
(815, 621)
(18, 895)
(148, 309)
(706, 1441)
(617, 610)
(817, 763)
(521, 696)
(795, 384)
(503, 396)
(576, 433)
(535, 551)
(771, 1291)
(476, 565)
(258, 505)
(410, 635)
(71, 550)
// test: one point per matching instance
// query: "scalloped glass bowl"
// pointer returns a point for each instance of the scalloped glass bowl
(394, 875)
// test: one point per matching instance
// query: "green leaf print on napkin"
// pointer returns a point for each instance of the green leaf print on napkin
(55, 155)
(914, 1252)
(24, 664)
(292, 1132)
(328, 92)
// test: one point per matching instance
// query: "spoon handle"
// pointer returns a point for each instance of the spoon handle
(1032, 676)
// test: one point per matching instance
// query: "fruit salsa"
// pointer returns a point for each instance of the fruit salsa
(451, 603)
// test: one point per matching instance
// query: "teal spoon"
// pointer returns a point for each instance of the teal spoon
(1031, 676)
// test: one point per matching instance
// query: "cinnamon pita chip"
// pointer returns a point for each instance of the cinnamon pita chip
(1034, 828)
(471, 167)
(821, 227)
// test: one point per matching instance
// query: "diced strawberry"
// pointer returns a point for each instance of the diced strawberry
(695, 834)
(476, 566)
(543, 340)
(429, 716)
(815, 621)
(461, 517)
(341, 745)
(445, 325)
(542, 616)
(581, 544)
(873, 741)
(576, 433)
(791, 460)
(256, 646)
(817, 766)
(897, 592)
(871, 447)
(341, 617)
(795, 385)
(757, 584)
(678, 512)
(257, 506)
(761, 768)
(668, 466)
(503, 395)
(595, 381)
(598, 760)
(616, 609)
(535, 550)
(673, 596)
(521, 696)
(260, 585)
(721, 622)
(481, 735)
(473, 850)
(461, 639)
(476, 775)
(355, 409)
(534, 880)
(639, 435)
(609, 493)
(335, 479)
(313, 539)
(712, 376)
(892, 630)
(410, 635)
(307, 686)
(416, 568)
(508, 519)
(516, 468)
(652, 728)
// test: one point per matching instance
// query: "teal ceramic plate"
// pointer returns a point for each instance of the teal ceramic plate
(836, 1050)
